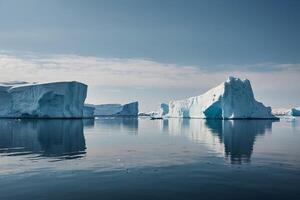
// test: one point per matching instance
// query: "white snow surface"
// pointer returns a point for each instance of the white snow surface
(130, 109)
(45, 100)
(232, 99)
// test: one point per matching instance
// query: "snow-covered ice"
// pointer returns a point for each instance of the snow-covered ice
(45, 100)
(232, 99)
(130, 109)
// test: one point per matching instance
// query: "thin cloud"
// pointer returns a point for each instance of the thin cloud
(257, 67)
(118, 72)
(94, 70)
(107, 77)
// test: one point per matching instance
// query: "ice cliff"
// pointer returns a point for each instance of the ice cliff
(130, 109)
(232, 99)
(88, 111)
(46, 100)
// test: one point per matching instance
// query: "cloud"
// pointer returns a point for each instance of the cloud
(116, 72)
(260, 67)
(109, 76)
(96, 71)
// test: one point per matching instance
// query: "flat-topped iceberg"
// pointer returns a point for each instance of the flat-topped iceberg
(233, 99)
(126, 110)
(45, 100)
(88, 112)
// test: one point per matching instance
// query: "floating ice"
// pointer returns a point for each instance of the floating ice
(294, 111)
(46, 100)
(88, 111)
(130, 109)
(230, 100)
(286, 112)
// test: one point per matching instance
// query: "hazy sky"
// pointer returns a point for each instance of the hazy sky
(154, 50)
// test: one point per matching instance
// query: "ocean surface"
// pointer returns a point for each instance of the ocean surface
(125, 158)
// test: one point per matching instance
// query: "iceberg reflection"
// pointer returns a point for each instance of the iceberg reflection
(129, 124)
(46, 138)
(234, 139)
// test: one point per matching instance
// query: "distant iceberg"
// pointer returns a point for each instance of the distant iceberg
(45, 100)
(88, 112)
(163, 110)
(161, 113)
(286, 112)
(294, 111)
(233, 99)
(126, 110)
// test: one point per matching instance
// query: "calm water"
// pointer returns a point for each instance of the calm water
(115, 158)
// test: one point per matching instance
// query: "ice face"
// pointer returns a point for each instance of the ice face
(164, 109)
(88, 112)
(130, 109)
(47, 100)
(230, 100)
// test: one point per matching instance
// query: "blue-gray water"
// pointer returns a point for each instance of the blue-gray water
(119, 158)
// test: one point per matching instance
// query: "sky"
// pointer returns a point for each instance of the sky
(152, 50)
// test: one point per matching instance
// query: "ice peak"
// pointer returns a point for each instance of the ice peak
(231, 79)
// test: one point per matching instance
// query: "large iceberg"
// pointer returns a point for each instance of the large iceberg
(233, 99)
(45, 100)
(126, 110)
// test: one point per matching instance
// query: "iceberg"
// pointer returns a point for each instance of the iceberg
(161, 113)
(163, 110)
(294, 111)
(45, 100)
(286, 112)
(233, 99)
(126, 110)
(88, 111)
